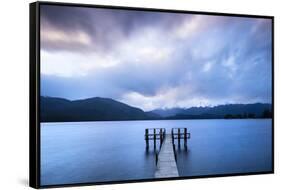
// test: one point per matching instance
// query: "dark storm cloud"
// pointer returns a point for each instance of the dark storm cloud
(104, 27)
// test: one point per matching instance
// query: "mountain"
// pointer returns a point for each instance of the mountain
(92, 109)
(221, 111)
(106, 109)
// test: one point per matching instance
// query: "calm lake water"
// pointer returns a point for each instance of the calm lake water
(81, 152)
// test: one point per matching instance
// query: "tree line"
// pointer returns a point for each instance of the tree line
(266, 114)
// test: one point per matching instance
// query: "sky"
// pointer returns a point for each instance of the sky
(154, 60)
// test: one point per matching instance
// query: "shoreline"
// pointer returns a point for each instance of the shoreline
(153, 120)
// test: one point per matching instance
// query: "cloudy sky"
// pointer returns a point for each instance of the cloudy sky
(154, 60)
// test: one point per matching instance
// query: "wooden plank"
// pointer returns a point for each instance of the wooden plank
(166, 165)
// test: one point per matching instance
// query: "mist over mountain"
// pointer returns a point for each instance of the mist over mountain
(221, 111)
(106, 109)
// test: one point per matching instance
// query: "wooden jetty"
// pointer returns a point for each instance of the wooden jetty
(166, 165)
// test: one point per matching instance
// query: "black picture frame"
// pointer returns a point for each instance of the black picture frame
(34, 91)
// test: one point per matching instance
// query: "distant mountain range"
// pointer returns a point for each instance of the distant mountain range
(106, 109)
(256, 110)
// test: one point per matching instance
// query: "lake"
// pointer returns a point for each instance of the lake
(81, 152)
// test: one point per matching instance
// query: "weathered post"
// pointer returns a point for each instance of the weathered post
(154, 137)
(175, 154)
(146, 139)
(179, 137)
(161, 137)
(173, 136)
(185, 137)
(156, 158)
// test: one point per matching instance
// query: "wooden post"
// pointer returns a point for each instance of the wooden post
(185, 137)
(156, 158)
(146, 139)
(154, 137)
(179, 136)
(175, 154)
(173, 136)
(161, 137)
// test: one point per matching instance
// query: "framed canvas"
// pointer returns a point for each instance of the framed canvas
(126, 94)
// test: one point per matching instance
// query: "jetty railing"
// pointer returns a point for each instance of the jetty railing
(154, 134)
(180, 133)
